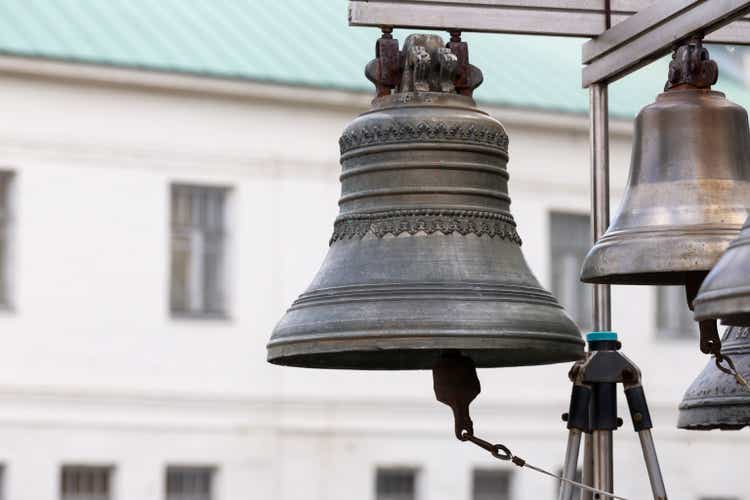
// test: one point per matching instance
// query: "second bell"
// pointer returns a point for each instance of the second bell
(689, 188)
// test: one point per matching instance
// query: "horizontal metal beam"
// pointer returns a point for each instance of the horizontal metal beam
(653, 32)
(539, 17)
(580, 18)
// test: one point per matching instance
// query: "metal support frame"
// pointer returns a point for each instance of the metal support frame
(641, 31)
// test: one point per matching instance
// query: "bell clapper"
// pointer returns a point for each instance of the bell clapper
(710, 342)
(456, 384)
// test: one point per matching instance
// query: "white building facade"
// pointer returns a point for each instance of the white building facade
(120, 380)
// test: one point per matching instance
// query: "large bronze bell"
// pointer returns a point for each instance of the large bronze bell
(715, 400)
(725, 293)
(424, 257)
(689, 188)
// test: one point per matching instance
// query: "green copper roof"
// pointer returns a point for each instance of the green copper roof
(298, 42)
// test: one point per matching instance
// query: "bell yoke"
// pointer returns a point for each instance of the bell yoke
(425, 258)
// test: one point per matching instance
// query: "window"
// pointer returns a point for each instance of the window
(197, 274)
(395, 484)
(79, 482)
(189, 483)
(491, 484)
(5, 235)
(570, 241)
(674, 320)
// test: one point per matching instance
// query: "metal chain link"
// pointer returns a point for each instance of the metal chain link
(501, 452)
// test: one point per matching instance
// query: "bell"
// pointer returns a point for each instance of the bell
(715, 400)
(689, 188)
(725, 293)
(425, 257)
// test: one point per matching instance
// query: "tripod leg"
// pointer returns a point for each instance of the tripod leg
(571, 464)
(588, 466)
(642, 425)
(603, 464)
(652, 465)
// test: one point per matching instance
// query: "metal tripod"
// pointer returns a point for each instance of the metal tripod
(593, 412)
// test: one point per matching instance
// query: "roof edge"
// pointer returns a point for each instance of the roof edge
(243, 88)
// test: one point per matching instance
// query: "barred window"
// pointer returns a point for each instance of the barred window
(6, 221)
(85, 482)
(198, 236)
(189, 483)
(674, 320)
(489, 484)
(395, 484)
(570, 241)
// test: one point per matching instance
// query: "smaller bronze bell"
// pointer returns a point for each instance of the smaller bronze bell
(715, 400)
(725, 293)
(689, 188)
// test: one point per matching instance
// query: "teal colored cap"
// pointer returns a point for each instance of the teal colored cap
(594, 336)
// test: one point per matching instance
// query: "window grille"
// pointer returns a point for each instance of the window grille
(85, 482)
(674, 320)
(189, 483)
(570, 241)
(198, 240)
(490, 484)
(5, 235)
(396, 484)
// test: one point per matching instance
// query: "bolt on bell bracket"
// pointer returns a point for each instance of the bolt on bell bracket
(424, 65)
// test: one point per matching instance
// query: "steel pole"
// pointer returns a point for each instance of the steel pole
(598, 455)
(599, 109)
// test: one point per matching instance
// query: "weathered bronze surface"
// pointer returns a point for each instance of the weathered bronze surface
(725, 293)
(425, 257)
(689, 188)
(715, 400)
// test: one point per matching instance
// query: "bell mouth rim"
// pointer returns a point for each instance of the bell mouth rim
(379, 353)
(650, 258)
(730, 304)
(713, 402)
(703, 418)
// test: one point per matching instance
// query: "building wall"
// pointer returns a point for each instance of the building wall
(94, 370)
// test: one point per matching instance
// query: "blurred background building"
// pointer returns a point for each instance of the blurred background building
(168, 186)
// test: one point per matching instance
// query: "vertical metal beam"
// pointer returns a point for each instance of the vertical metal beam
(598, 453)
(599, 109)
